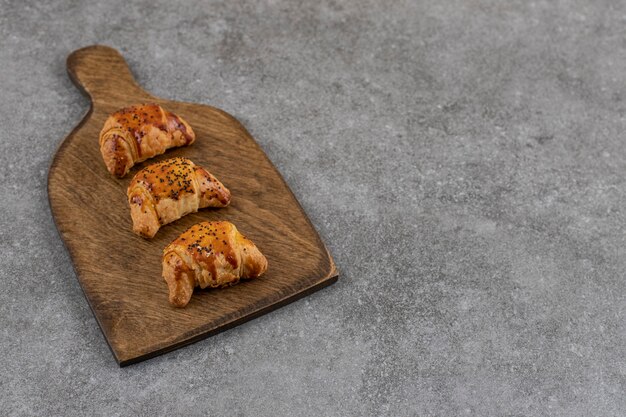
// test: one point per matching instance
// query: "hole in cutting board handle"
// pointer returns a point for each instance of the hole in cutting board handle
(102, 73)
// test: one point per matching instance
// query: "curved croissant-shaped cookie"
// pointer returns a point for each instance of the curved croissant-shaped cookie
(168, 190)
(137, 133)
(209, 254)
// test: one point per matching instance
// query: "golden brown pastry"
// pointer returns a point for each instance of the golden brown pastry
(168, 190)
(209, 254)
(137, 133)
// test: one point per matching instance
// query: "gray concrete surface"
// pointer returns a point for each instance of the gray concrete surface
(463, 160)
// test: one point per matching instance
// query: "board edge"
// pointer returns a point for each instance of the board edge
(330, 279)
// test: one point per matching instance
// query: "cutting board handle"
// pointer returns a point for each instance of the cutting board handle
(102, 73)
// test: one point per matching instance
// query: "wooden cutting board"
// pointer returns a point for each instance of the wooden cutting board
(120, 272)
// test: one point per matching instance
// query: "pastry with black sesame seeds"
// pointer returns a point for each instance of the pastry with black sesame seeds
(139, 132)
(168, 190)
(199, 259)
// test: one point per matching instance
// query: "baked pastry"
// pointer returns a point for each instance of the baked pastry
(136, 133)
(168, 190)
(209, 254)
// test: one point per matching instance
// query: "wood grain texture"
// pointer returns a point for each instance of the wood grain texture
(120, 272)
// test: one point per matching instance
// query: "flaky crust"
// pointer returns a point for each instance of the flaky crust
(136, 133)
(170, 189)
(209, 254)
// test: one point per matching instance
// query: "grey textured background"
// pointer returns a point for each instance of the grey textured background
(463, 160)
